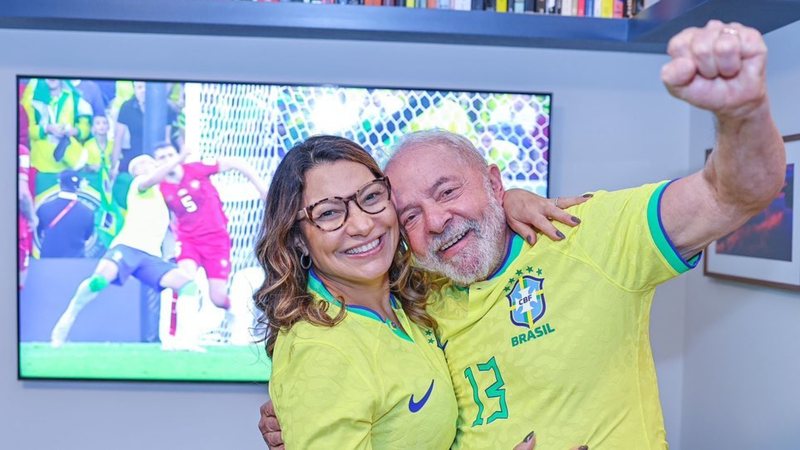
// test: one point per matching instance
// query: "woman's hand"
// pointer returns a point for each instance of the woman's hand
(529, 443)
(527, 213)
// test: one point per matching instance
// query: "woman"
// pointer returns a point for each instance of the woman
(355, 360)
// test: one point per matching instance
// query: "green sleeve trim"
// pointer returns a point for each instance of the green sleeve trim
(659, 235)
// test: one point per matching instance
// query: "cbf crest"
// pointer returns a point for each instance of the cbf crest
(526, 300)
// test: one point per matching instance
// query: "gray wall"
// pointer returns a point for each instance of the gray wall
(613, 126)
(742, 356)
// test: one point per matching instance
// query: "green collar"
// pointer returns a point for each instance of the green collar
(317, 287)
(513, 249)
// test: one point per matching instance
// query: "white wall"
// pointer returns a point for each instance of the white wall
(742, 355)
(613, 126)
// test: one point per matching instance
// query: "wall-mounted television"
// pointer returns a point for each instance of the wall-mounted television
(94, 244)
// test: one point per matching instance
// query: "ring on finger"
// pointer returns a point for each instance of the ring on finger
(729, 30)
(556, 202)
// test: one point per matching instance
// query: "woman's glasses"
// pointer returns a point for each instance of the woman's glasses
(331, 213)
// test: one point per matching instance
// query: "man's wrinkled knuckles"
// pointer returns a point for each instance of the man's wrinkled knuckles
(752, 43)
(702, 45)
(679, 72)
(274, 439)
(727, 45)
(679, 44)
(272, 424)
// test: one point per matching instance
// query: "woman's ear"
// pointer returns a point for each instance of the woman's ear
(300, 245)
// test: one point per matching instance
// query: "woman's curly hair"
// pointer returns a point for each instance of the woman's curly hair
(282, 297)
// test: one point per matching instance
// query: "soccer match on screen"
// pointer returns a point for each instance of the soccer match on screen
(140, 203)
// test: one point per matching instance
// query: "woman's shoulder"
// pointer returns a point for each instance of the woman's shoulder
(344, 335)
(308, 345)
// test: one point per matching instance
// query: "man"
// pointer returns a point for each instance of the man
(202, 226)
(136, 251)
(128, 141)
(556, 336)
(65, 223)
(99, 151)
(52, 108)
(129, 130)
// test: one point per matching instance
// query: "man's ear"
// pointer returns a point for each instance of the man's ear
(496, 181)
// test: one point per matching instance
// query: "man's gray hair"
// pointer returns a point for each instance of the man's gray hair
(440, 138)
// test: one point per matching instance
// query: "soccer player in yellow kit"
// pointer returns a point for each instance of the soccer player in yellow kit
(557, 336)
(135, 251)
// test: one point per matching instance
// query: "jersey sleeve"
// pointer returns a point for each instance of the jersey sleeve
(35, 130)
(622, 235)
(204, 168)
(134, 186)
(321, 398)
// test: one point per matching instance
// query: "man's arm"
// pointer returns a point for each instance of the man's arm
(245, 169)
(161, 171)
(721, 68)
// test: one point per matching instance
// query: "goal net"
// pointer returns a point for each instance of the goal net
(260, 123)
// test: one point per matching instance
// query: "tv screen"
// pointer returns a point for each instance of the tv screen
(97, 246)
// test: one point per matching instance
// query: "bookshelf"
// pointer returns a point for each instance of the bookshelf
(648, 32)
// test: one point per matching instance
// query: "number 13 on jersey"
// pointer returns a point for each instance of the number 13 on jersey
(487, 375)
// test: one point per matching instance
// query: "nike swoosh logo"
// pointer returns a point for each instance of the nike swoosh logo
(416, 406)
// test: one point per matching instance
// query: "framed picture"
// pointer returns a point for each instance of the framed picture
(765, 250)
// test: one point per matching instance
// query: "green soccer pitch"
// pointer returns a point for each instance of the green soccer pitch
(142, 361)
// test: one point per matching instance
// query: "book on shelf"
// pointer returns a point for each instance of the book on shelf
(580, 8)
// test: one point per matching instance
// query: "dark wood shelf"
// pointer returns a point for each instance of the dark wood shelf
(667, 17)
(647, 33)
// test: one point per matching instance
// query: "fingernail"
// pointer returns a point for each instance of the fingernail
(560, 234)
(529, 436)
(529, 239)
(588, 195)
(583, 447)
(576, 220)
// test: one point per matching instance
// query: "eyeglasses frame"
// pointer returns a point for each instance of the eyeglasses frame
(306, 212)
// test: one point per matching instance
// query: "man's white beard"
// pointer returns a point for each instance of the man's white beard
(474, 262)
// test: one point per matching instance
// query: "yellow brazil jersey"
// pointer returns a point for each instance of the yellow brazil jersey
(147, 221)
(363, 383)
(558, 339)
(99, 156)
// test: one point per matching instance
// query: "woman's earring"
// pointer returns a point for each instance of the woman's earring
(305, 261)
